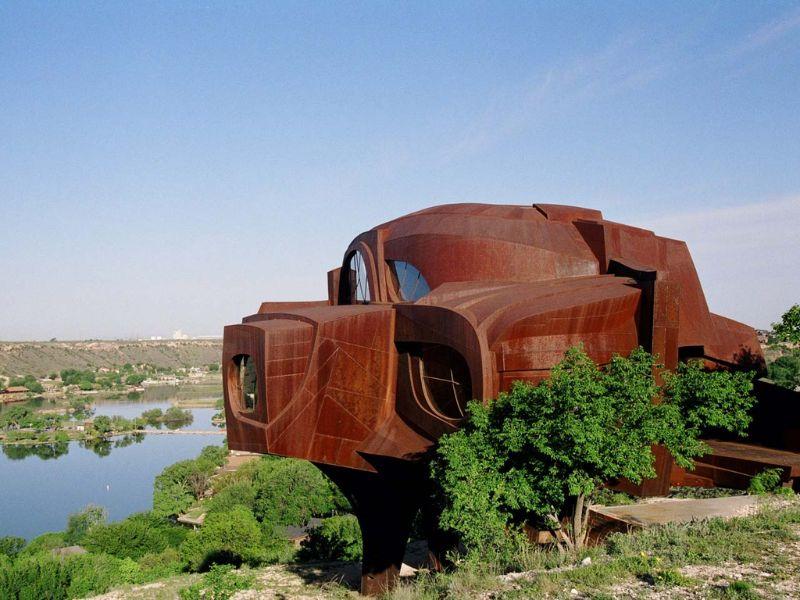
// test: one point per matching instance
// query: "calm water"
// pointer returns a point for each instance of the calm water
(38, 494)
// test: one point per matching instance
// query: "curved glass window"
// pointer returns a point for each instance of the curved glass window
(245, 392)
(409, 282)
(356, 280)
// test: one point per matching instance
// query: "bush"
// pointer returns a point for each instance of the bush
(97, 573)
(47, 542)
(135, 379)
(134, 537)
(220, 583)
(290, 492)
(81, 522)
(11, 546)
(539, 453)
(240, 493)
(232, 537)
(35, 576)
(177, 486)
(769, 481)
(336, 538)
(785, 370)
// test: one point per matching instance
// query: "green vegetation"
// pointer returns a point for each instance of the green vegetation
(220, 583)
(336, 538)
(539, 453)
(79, 523)
(769, 481)
(788, 328)
(785, 370)
(181, 484)
(28, 381)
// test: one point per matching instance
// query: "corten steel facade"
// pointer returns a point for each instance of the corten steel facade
(442, 306)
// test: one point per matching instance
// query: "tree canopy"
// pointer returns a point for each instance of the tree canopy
(538, 453)
(788, 328)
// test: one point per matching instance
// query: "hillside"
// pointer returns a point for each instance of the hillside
(42, 358)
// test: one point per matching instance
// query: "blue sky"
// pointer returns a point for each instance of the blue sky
(171, 165)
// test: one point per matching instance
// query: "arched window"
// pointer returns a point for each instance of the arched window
(354, 286)
(244, 386)
(408, 281)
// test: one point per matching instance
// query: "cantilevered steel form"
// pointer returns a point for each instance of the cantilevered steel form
(442, 306)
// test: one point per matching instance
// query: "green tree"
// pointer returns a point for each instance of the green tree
(290, 492)
(103, 425)
(232, 537)
(78, 524)
(539, 453)
(336, 538)
(785, 370)
(135, 379)
(139, 534)
(11, 546)
(788, 328)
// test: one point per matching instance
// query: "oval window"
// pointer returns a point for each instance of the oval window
(408, 281)
(245, 383)
(355, 282)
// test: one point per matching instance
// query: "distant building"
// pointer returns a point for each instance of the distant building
(179, 335)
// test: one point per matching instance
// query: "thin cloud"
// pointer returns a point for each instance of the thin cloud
(768, 34)
(623, 64)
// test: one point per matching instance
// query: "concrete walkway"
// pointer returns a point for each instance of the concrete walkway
(676, 510)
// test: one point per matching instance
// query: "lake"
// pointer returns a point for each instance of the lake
(38, 494)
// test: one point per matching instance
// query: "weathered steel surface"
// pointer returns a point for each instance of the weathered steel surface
(363, 384)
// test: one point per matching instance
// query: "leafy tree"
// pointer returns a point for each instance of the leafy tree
(171, 498)
(240, 493)
(75, 377)
(213, 367)
(232, 537)
(139, 534)
(785, 370)
(172, 491)
(103, 425)
(11, 546)
(788, 328)
(135, 379)
(78, 524)
(290, 492)
(336, 538)
(28, 381)
(539, 453)
(153, 416)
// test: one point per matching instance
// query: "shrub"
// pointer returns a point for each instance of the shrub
(290, 492)
(240, 493)
(785, 370)
(769, 481)
(178, 485)
(220, 583)
(11, 546)
(336, 538)
(539, 453)
(788, 328)
(35, 576)
(232, 537)
(97, 573)
(134, 537)
(47, 542)
(78, 524)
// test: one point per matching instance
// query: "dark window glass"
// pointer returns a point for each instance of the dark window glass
(357, 280)
(409, 282)
(247, 392)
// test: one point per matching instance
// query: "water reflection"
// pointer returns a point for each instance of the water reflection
(43, 451)
(101, 447)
